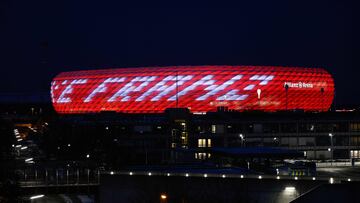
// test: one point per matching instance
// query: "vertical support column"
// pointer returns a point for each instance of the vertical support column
(77, 176)
(46, 176)
(67, 176)
(57, 177)
(88, 176)
(98, 174)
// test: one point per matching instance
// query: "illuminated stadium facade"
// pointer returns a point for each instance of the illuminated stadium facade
(199, 88)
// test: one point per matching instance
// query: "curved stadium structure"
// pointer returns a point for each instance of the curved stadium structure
(198, 88)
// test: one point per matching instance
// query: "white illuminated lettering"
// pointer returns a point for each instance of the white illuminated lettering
(130, 87)
(102, 87)
(68, 89)
(165, 89)
(207, 80)
(214, 89)
(264, 80)
(53, 85)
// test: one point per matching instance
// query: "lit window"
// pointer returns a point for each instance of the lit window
(213, 128)
(201, 142)
(208, 142)
(183, 126)
(355, 154)
(201, 156)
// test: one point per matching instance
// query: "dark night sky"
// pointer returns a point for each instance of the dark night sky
(39, 39)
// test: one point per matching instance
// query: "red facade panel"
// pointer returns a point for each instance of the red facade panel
(199, 88)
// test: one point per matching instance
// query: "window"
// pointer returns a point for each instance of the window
(355, 154)
(183, 125)
(213, 128)
(204, 142)
(201, 142)
(355, 127)
(202, 155)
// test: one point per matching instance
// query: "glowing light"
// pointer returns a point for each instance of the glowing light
(242, 176)
(131, 173)
(314, 178)
(187, 175)
(223, 176)
(29, 159)
(331, 180)
(163, 196)
(149, 174)
(260, 177)
(278, 177)
(36, 196)
(205, 175)
(258, 93)
(112, 173)
(296, 178)
(290, 189)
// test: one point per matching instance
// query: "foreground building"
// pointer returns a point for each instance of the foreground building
(168, 137)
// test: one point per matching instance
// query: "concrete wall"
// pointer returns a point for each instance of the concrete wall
(126, 188)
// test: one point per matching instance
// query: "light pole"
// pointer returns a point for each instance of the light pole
(322, 98)
(331, 149)
(286, 86)
(242, 139)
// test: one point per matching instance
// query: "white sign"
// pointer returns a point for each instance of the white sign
(299, 85)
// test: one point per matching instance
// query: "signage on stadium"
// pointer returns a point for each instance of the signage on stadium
(299, 85)
(164, 88)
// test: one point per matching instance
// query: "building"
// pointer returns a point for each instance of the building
(181, 136)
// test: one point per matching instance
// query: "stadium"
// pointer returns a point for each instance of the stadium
(201, 89)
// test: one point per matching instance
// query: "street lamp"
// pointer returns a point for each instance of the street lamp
(242, 139)
(332, 146)
(163, 198)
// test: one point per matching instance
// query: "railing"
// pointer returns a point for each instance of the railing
(59, 176)
(236, 176)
